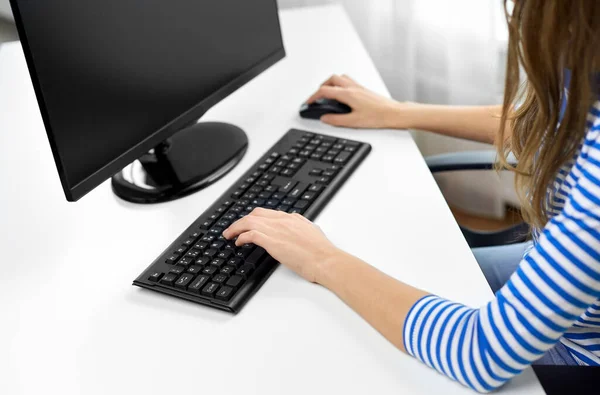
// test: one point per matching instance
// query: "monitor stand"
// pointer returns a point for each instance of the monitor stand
(191, 160)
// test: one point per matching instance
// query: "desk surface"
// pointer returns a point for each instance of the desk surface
(72, 322)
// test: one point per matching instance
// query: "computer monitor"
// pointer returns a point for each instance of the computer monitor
(121, 84)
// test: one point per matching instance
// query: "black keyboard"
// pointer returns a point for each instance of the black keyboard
(299, 174)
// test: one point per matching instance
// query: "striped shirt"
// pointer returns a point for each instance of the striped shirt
(553, 295)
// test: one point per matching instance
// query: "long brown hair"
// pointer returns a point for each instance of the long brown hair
(545, 38)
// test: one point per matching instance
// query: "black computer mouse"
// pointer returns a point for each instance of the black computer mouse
(323, 106)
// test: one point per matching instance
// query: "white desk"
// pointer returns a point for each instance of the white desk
(72, 323)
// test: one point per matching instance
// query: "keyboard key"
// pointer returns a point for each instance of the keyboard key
(242, 253)
(205, 260)
(179, 251)
(278, 195)
(193, 253)
(316, 188)
(343, 157)
(218, 262)
(226, 254)
(289, 201)
(211, 252)
(171, 259)
(198, 283)
(229, 217)
(195, 269)
(271, 203)
(185, 261)
(283, 207)
(195, 235)
(220, 278)
(329, 173)
(323, 180)
(217, 245)
(302, 204)
(256, 256)
(237, 262)
(216, 231)
(265, 195)
(224, 293)
(210, 270)
(202, 245)
(189, 242)
(168, 279)
(210, 289)
(349, 142)
(309, 196)
(316, 172)
(155, 276)
(288, 172)
(298, 190)
(296, 211)
(177, 269)
(245, 270)
(207, 224)
(228, 270)
(235, 281)
(183, 281)
(327, 158)
(208, 239)
(230, 245)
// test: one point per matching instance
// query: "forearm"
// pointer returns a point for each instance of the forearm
(476, 123)
(381, 300)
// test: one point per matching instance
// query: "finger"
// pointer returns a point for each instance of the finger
(336, 80)
(349, 80)
(255, 237)
(249, 222)
(342, 120)
(331, 92)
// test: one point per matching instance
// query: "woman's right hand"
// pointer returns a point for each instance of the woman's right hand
(369, 109)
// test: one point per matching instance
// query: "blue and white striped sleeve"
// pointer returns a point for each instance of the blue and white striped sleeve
(552, 287)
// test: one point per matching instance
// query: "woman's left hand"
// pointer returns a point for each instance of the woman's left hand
(289, 238)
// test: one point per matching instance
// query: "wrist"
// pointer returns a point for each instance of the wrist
(404, 115)
(327, 268)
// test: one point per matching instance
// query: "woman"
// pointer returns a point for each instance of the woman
(550, 304)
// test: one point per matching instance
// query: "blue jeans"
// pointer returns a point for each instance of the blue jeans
(497, 265)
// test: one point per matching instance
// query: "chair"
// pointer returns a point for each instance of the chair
(478, 160)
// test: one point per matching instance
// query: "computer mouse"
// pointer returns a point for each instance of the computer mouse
(323, 106)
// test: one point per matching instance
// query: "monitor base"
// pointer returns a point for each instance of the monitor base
(191, 160)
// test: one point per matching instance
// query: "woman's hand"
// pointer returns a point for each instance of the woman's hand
(289, 238)
(369, 110)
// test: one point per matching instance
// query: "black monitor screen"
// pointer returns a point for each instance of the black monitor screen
(110, 74)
